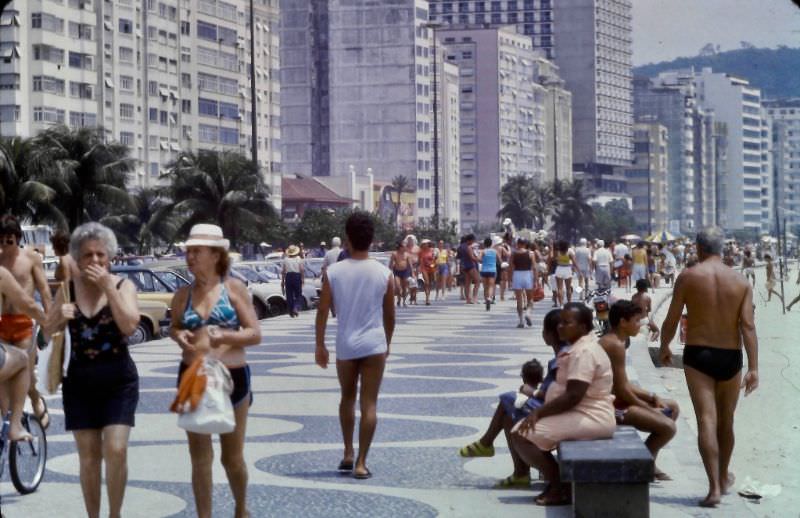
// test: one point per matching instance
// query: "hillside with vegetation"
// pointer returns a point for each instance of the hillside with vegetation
(774, 71)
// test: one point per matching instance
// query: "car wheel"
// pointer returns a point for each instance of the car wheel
(277, 307)
(261, 309)
(141, 334)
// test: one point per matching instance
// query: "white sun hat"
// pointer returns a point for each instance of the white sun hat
(204, 234)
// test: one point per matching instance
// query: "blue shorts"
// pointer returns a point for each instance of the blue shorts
(518, 414)
(403, 274)
(444, 270)
(488, 275)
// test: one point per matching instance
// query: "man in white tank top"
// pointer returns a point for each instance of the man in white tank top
(362, 289)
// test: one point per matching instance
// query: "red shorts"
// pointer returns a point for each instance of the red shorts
(15, 328)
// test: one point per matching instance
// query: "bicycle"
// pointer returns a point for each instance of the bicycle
(26, 459)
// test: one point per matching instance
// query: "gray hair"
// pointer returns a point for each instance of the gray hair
(92, 231)
(336, 241)
(711, 240)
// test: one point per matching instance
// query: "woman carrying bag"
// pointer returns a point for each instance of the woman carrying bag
(214, 318)
(101, 388)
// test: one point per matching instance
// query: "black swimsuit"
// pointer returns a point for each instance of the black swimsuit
(102, 385)
(720, 364)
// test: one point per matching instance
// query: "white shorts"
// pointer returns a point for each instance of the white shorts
(522, 280)
(564, 272)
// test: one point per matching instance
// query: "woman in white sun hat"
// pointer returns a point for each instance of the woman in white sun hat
(215, 316)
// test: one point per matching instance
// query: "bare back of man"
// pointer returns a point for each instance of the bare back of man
(16, 327)
(719, 304)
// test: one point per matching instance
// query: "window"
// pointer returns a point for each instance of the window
(80, 31)
(125, 26)
(48, 53)
(126, 55)
(186, 106)
(186, 28)
(153, 115)
(126, 111)
(11, 82)
(206, 31)
(207, 107)
(48, 114)
(49, 84)
(47, 22)
(228, 111)
(82, 120)
(126, 83)
(163, 118)
(229, 136)
(152, 88)
(208, 134)
(78, 60)
(126, 138)
(154, 169)
(226, 36)
(81, 90)
(186, 80)
(9, 113)
(228, 86)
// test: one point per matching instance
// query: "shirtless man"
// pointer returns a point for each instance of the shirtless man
(643, 300)
(16, 326)
(633, 405)
(400, 265)
(14, 364)
(772, 279)
(719, 304)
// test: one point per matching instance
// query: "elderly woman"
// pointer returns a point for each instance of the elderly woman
(578, 405)
(215, 316)
(292, 279)
(101, 389)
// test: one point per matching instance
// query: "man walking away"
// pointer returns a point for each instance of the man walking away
(719, 305)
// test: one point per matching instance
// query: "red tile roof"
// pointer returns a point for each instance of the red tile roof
(308, 189)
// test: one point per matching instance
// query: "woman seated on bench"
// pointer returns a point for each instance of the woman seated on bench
(578, 405)
(507, 414)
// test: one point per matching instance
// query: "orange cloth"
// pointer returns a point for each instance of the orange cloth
(593, 416)
(15, 328)
(191, 389)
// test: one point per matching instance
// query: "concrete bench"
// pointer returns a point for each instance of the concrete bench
(610, 477)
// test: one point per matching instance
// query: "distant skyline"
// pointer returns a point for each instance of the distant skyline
(667, 29)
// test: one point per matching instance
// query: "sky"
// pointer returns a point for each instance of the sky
(667, 29)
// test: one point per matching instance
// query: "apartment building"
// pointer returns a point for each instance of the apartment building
(558, 121)
(590, 41)
(647, 176)
(783, 118)
(502, 115)
(158, 76)
(747, 186)
(357, 84)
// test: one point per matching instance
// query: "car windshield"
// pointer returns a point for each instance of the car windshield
(171, 279)
(247, 273)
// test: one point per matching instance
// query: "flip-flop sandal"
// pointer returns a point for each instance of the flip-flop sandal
(512, 482)
(362, 476)
(44, 417)
(476, 449)
(345, 467)
(547, 499)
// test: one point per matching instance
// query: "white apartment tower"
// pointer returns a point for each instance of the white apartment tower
(783, 117)
(747, 186)
(158, 75)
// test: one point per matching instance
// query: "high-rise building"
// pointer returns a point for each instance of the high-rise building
(357, 79)
(590, 41)
(449, 140)
(158, 76)
(502, 115)
(647, 176)
(747, 185)
(783, 117)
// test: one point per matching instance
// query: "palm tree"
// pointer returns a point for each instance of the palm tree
(224, 188)
(400, 184)
(87, 172)
(150, 225)
(517, 197)
(573, 214)
(21, 193)
(542, 205)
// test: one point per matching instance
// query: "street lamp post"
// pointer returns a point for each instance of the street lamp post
(433, 26)
(254, 126)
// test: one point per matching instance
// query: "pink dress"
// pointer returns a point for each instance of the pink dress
(593, 416)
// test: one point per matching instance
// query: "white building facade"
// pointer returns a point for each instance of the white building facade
(158, 76)
(783, 117)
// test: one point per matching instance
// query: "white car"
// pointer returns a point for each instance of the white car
(268, 298)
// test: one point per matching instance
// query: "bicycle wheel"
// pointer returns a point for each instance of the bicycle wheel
(27, 459)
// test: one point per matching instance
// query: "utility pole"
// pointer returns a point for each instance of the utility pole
(434, 26)
(253, 118)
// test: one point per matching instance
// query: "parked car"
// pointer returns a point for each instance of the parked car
(154, 321)
(269, 275)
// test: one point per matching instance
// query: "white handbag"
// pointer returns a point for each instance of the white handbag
(214, 414)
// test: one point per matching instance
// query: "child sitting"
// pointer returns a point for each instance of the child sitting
(507, 414)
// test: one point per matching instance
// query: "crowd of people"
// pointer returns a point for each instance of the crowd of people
(584, 394)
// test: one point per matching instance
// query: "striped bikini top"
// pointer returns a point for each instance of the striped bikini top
(223, 314)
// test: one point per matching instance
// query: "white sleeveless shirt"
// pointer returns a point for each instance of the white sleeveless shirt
(358, 288)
